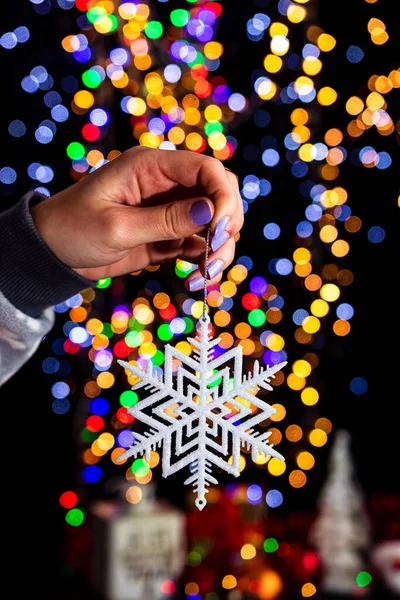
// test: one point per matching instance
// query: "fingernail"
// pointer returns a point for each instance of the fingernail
(221, 226)
(214, 268)
(200, 213)
(196, 284)
(217, 242)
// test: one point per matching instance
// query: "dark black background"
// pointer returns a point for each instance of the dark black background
(39, 454)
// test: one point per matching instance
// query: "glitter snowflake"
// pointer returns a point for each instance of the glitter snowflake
(200, 417)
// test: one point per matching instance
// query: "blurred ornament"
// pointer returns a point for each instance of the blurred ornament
(341, 531)
(386, 559)
(139, 552)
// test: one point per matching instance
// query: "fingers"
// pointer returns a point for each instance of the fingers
(174, 221)
(218, 261)
(190, 169)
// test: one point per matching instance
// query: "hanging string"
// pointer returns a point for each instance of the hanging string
(206, 274)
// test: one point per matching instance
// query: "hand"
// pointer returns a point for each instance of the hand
(145, 207)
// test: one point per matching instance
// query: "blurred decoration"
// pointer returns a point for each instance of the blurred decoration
(386, 560)
(139, 546)
(341, 532)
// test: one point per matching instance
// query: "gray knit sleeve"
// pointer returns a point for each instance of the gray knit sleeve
(20, 335)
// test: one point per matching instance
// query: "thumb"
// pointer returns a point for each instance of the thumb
(173, 221)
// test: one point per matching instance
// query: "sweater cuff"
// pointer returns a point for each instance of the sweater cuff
(32, 278)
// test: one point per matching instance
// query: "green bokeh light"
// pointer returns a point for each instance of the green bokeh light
(96, 12)
(108, 331)
(75, 151)
(153, 30)
(133, 338)
(257, 317)
(128, 398)
(164, 332)
(189, 324)
(211, 127)
(89, 436)
(103, 283)
(91, 78)
(179, 17)
(271, 545)
(140, 468)
(74, 517)
(194, 559)
(363, 579)
(158, 358)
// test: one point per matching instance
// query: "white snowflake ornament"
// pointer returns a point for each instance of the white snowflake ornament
(198, 422)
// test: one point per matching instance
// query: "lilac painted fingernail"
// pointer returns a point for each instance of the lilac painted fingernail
(200, 213)
(217, 242)
(196, 284)
(221, 226)
(214, 268)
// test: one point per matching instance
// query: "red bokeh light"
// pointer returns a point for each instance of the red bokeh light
(94, 423)
(68, 499)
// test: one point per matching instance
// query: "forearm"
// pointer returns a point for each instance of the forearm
(32, 280)
(20, 335)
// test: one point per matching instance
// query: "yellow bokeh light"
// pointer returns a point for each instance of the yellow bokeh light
(305, 460)
(279, 414)
(217, 140)
(299, 116)
(328, 234)
(275, 342)
(248, 551)
(326, 42)
(213, 50)
(307, 152)
(354, 105)
(312, 65)
(311, 324)
(105, 380)
(194, 141)
(176, 135)
(105, 441)
(296, 14)
(272, 63)
(276, 467)
(309, 589)
(309, 396)
(301, 368)
(340, 248)
(222, 318)
(84, 99)
(326, 96)
(295, 382)
(213, 113)
(136, 106)
(318, 437)
(242, 462)
(319, 308)
(278, 29)
(228, 289)
(330, 292)
(229, 582)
